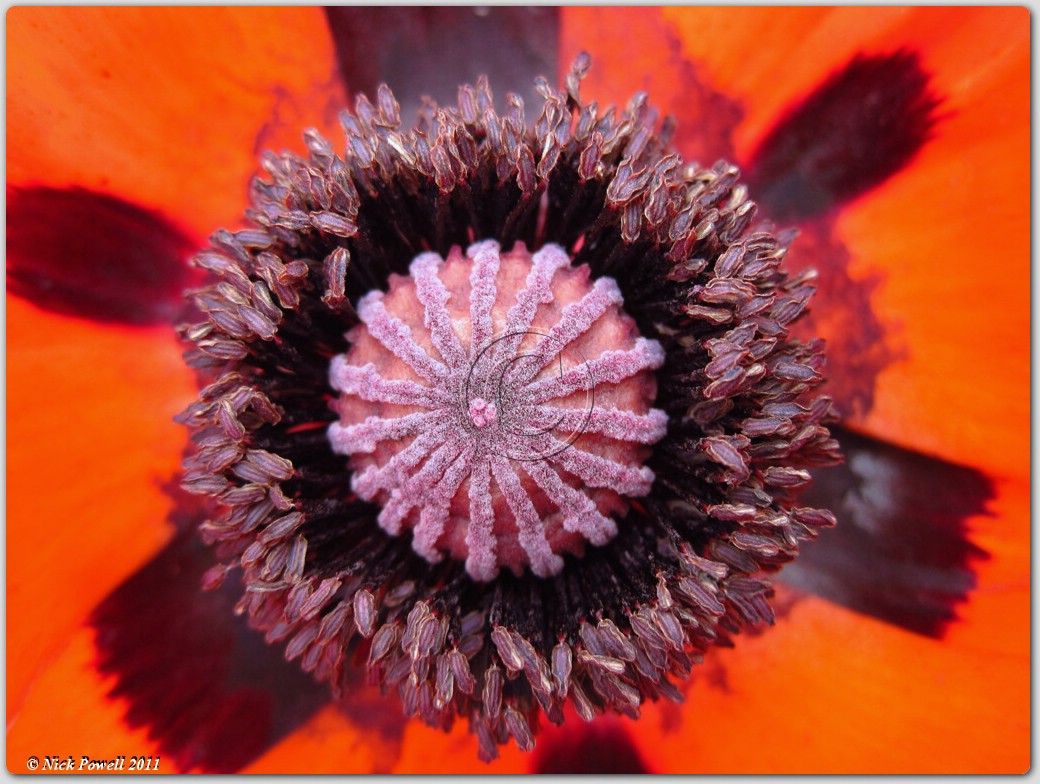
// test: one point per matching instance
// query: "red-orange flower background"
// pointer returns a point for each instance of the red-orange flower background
(169, 108)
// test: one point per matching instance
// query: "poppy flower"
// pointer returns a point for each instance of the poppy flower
(895, 139)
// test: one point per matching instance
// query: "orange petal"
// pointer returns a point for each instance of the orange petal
(638, 49)
(997, 617)
(328, 743)
(426, 750)
(332, 743)
(90, 438)
(961, 207)
(164, 107)
(828, 691)
(67, 713)
(770, 57)
(951, 234)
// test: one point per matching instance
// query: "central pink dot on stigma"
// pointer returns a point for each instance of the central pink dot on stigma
(545, 469)
(482, 413)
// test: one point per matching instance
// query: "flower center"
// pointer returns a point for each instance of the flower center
(493, 410)
(482, 413)
(498, 406)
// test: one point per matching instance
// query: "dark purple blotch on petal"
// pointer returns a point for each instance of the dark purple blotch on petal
(854, 131)
(207, 688)
(858, 347)
(431, 51)
(87, 254)
(901, 550)
(604, 746)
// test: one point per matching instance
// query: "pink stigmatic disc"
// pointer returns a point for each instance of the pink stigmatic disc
(498, 405)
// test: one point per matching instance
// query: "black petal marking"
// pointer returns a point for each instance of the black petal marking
(900, 552)
(95, 256)
(857, 129)
(431, 51)
(859, 347)
(209, 690)
(604, 746)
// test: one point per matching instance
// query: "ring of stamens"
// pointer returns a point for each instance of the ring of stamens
(625, 622)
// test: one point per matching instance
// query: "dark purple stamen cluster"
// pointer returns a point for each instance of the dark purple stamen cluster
(614, 627)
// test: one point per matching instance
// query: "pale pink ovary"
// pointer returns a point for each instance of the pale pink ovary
(610, 367)
(545, 264)
(575, 320)
(434, 297)
(364, 436)
(437, 507)
(580, 513)
(483, 291)
(397, 337)
(421, 486)
(396, 471)
(610, 422)
(544, 562)
(481, 544)
(366, 383)
(597, 471)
